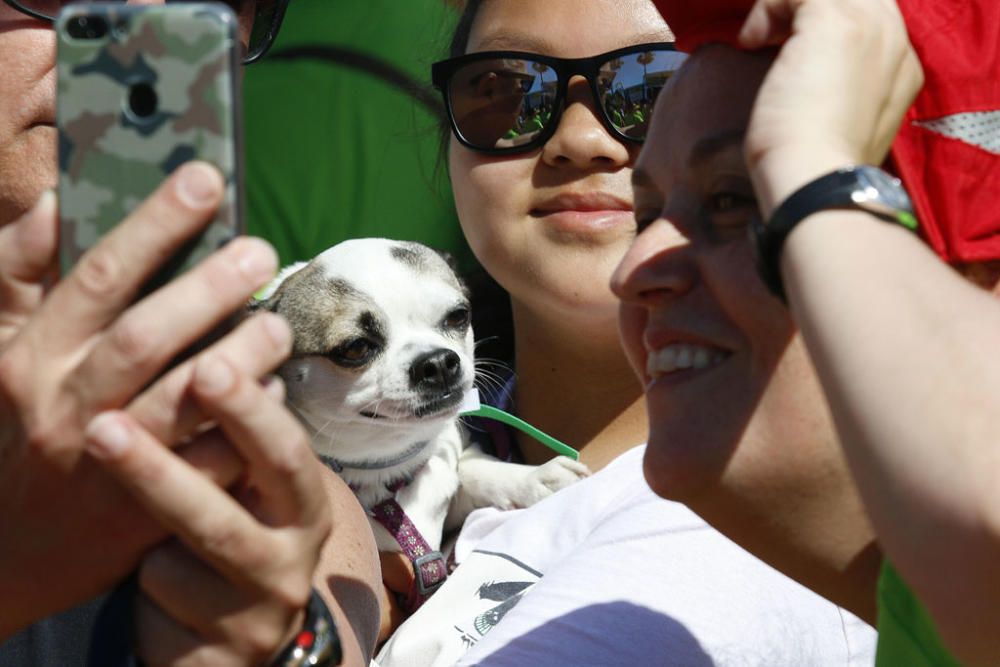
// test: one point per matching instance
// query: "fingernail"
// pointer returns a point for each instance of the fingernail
(106, 436)
(256, 259)
(198, 184)
(46, 201)
(213, 375)
(277, 329)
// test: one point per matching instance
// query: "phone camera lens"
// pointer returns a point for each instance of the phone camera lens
(120, 31)
(87, 27)
(142, 101)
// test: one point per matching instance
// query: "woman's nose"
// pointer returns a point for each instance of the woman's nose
(581, 140)
(658, 265)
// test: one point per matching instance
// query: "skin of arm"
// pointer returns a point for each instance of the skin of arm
(348, 575)
(905, 348)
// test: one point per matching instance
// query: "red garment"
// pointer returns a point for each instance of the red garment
(954, 183)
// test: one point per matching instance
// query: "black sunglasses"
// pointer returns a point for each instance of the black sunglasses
(502, 102)
(259, 20)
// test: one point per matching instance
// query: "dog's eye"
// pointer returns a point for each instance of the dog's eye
(354, 352)
(457, 319)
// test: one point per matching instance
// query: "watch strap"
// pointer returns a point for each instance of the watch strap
(862, 188)
(318, 643)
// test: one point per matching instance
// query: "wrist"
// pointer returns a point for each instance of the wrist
(316, 642)
(858, 188)
(778, 173)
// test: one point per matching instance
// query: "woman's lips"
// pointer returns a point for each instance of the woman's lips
(587, 220)
(585, 212)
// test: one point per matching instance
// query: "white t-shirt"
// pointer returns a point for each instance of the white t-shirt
(607, 573)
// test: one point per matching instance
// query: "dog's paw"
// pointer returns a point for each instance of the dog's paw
(544, 480)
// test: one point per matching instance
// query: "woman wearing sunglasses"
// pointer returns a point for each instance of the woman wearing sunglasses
(547, 107)
(89, 491)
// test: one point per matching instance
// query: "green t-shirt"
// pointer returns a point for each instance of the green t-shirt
(906, 633)
(338, 147)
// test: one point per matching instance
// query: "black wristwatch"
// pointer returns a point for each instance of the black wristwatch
(863, 188)
(317, 644)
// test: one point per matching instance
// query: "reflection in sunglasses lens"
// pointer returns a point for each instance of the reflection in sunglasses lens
(502, 102)
(505, 103)
(629, 85)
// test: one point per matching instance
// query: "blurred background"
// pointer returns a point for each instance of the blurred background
(341, 128)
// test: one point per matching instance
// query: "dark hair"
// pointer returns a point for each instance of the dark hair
(491, 315)
(460, 39)
(457, 47)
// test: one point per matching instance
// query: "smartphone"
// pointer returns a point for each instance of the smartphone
(143, 89)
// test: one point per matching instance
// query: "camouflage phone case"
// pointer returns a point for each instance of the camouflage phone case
(158, 89)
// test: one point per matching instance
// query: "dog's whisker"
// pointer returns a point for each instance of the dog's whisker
(492, 363)
(321, 433)
(481, 341)
(488, 383)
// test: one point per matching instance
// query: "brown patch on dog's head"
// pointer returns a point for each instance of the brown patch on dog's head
(321, 311)
(423, 259)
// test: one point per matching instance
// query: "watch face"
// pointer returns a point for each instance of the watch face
(882, 190)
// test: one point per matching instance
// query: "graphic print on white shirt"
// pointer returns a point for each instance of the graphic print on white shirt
(606, 573)
(508, 582)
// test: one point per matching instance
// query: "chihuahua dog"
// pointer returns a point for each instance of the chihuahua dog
(382, 359)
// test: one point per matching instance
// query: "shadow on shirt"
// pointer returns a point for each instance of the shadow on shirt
(613, 633)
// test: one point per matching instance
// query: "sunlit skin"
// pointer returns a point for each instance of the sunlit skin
(746, 440)
(546, 252)
(27, 112)
(550, 226)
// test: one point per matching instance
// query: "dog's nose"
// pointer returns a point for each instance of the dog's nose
(439, 370)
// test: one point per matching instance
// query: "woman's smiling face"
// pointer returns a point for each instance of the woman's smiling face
(732, 396)
(550, 225)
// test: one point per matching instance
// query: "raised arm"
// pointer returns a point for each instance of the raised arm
(906, 349)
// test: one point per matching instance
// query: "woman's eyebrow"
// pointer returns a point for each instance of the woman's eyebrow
(708, 147)
(503, 40)
(513, 41)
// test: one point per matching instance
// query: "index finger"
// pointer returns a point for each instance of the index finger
(283, 467)
(109, 275)
(185, 501)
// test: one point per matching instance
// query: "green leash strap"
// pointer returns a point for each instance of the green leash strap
(489, 412)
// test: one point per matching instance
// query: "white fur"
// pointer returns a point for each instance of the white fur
(449, 479)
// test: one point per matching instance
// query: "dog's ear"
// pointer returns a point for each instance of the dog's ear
(269, 296)
(255, 304)
(448, 258)
(452, 263)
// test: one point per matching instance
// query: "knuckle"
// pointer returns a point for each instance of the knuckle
(98, 274)
(293, 459)
(142, 472)
(134, 340)
(292, 591)
(40, 435)
(220, 277)
(229, 542)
